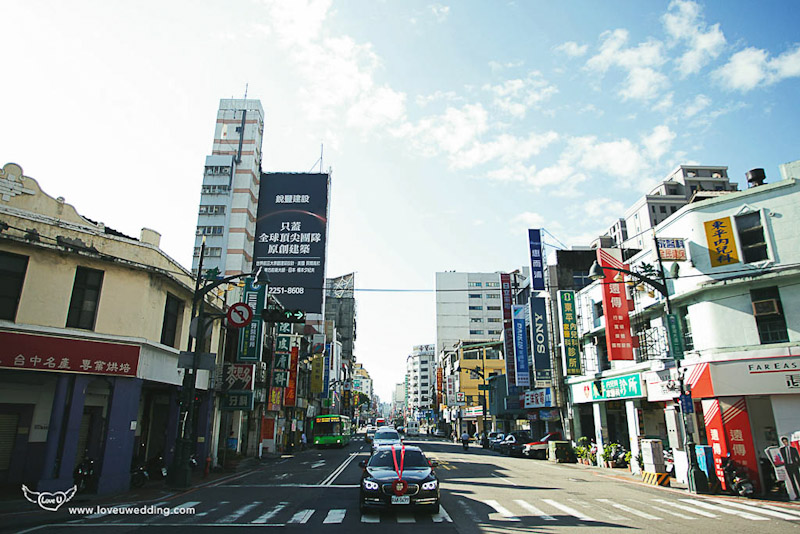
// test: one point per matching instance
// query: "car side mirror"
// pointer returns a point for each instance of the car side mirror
(362, 463)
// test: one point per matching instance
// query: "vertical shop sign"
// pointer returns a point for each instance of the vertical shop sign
(249, 346)
(615, 307)
(326, 371)
(439, 384)
(739, 434)
(570, 346)
(508, 330)
(721, 242)
(274, 401)
(317, 373)
(291, 236)
(521, 347)
(537, 264)
(715, 432)
(540, 342)
(290, 393)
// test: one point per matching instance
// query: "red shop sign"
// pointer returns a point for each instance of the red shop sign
(60, 354)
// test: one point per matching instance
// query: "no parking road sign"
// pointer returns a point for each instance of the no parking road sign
(239, 315)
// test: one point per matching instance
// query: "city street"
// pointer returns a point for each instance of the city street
(482, 491)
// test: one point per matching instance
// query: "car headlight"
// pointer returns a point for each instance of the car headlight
(427, 486)
(370, 485)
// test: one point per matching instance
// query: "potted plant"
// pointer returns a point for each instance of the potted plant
(627, 458)
(580, 453)
(608, 454)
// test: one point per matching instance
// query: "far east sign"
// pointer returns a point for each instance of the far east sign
(291, 231)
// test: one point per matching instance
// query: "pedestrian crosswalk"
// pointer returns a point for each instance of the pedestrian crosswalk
(535, 510)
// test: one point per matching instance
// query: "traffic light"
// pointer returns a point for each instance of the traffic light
(283, 316)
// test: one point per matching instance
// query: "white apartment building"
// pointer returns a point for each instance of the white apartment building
(399, 399)
(361, 380)
(674, 192)
(469, 307)
(229, 194)
(421, 379)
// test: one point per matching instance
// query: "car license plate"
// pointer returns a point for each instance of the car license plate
(401, 499)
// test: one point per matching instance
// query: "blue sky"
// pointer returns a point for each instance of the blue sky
(451, 128)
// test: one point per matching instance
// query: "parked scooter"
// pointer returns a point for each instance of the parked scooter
(465, 440)
(157, 467)
(669, 462)
(139, 475)
(735, 478)
(83, 474)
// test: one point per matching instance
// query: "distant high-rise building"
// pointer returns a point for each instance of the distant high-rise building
(421, 379)
(469, 307)
(229, 194)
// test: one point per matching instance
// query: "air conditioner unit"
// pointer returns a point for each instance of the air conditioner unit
(765, 307)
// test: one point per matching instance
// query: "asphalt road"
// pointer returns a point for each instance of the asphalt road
(482, 491)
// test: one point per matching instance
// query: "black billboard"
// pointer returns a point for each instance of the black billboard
(291, 232)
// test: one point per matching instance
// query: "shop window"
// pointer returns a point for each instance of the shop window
(768, 312)
(12, 274)
(85, 298)
(580, 279)
(173, 311)
(751, 237)
(471, 355)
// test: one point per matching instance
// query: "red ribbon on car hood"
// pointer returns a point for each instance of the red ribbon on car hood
(399, 486)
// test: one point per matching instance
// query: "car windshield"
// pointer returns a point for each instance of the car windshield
(387, 434)
(411, 460)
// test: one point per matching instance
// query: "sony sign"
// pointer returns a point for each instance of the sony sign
(540, 341)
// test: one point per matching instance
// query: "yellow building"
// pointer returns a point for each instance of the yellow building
(476, 360)
(91, 326)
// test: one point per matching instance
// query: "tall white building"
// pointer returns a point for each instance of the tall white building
(229, 194)
(674, 192)
(469, 306)
(421, 380)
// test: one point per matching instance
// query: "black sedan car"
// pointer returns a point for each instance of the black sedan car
(513, 443)
(382, 487)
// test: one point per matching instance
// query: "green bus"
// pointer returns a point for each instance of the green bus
(331, 430)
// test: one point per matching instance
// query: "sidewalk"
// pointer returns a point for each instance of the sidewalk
(677, 487)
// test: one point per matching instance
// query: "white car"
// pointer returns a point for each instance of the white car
(386, 436)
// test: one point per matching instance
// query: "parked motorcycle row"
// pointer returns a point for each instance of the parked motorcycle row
(155, 468)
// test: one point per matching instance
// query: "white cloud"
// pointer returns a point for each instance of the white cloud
(497, 66)
(658, 143)
(380, 107)
(700, 103)
(621, 159)
(643, 82)
(752, 67)
(529, 219)
(439, 11)
(517, 96)
(445, 96)
(505, 148)
(572, 49)
(599, 207)
(450, 132)
(705, 43)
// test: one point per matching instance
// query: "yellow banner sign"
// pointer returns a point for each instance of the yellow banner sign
(721, 242)
(317, 368)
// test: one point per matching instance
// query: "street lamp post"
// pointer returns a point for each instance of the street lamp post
(698, 482)
(179, 474)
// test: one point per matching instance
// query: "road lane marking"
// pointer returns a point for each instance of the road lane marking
(535, 511)
(335, 516)
(630, 510)
(188, 504)
(686, 508)
(405, 518)
(301, 517)
(778, 509)
(370, 518)
(230, 518)
(218, 506)
(603, 511)
(469, 511)
(270, 514)
(709, 506)
(505, 513)
(318, 464)
(338, 471)
(568, 510)
(505, 479)
(441, 516)
(664, 510)
(759, 510)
